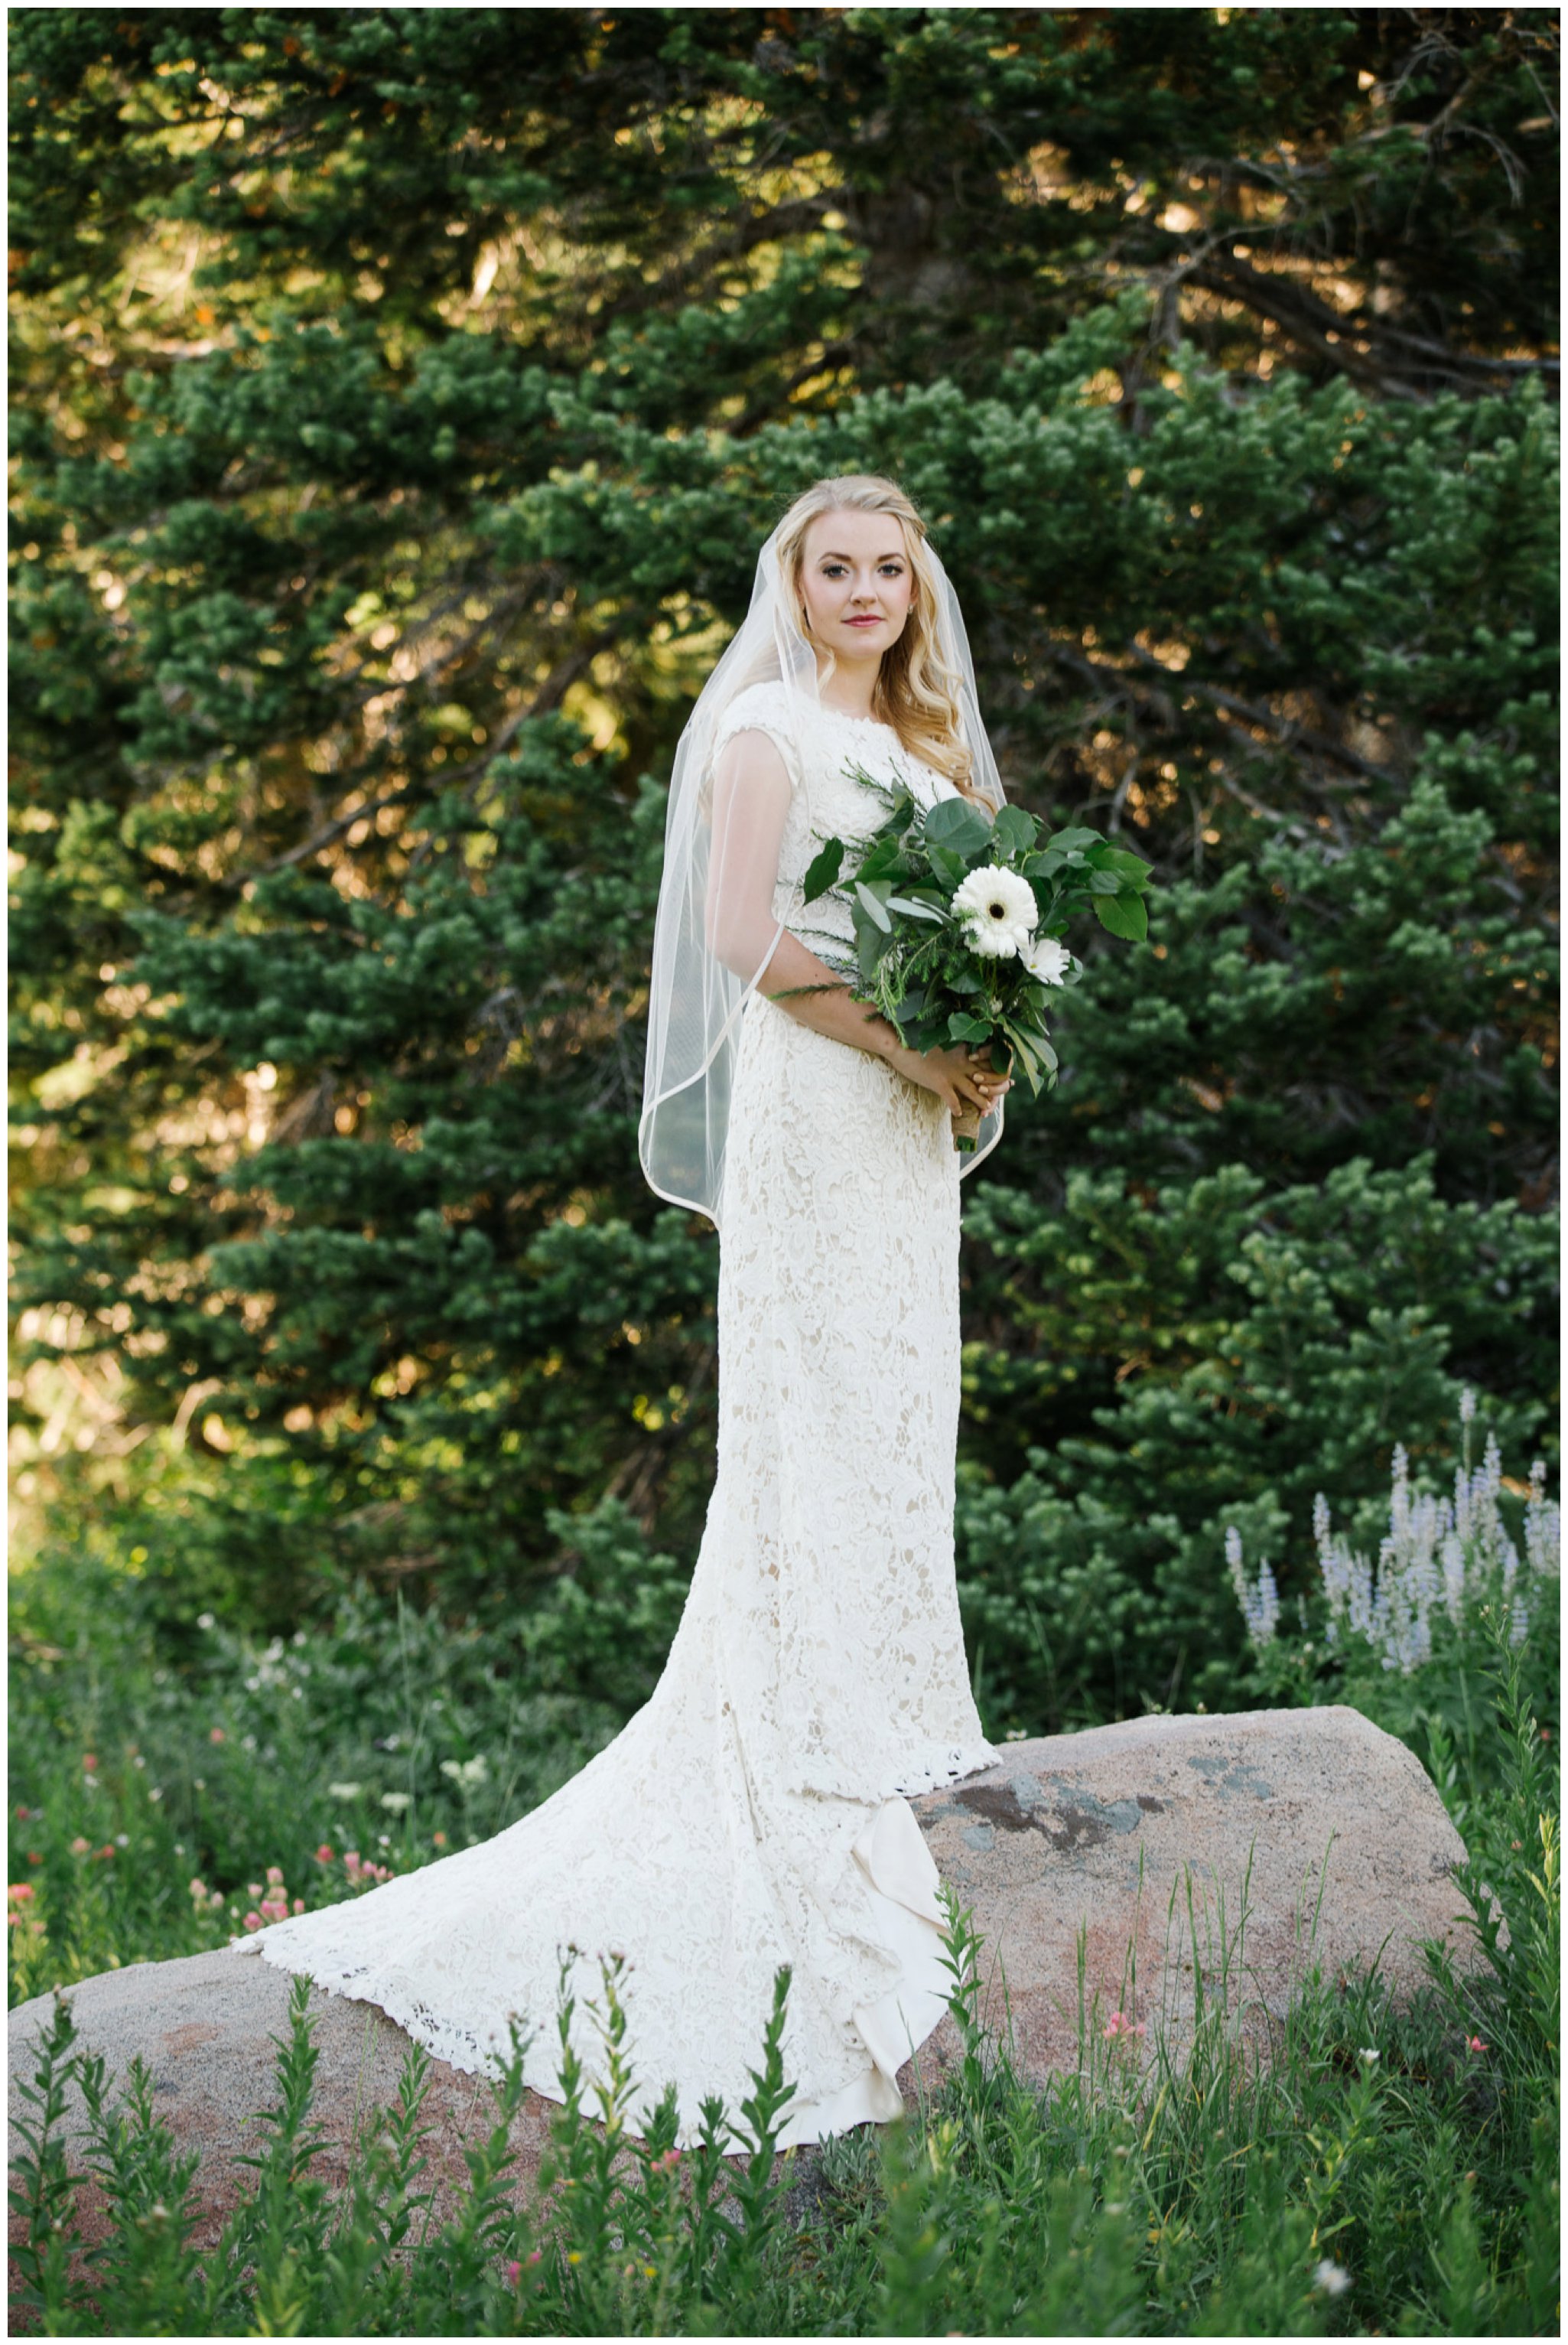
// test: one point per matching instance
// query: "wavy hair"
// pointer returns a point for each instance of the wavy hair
(916, 693)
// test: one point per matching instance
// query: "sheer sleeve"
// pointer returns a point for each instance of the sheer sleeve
(752, 791)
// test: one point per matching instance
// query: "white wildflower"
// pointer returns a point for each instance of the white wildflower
(998, 910)
(467, 1772)
(1259, 1604)
(1369, 2053)
(344, 1790)
(1330, 2277)
(397, 1801)
(1047, 959)
(205, 1621)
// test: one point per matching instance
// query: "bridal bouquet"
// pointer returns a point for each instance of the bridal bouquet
(958, 918)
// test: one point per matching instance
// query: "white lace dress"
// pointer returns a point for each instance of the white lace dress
(753, 1812)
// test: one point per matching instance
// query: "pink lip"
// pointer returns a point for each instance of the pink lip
(872, 619)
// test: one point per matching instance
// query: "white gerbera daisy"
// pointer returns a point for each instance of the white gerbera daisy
(997, 908)
(1047, 959)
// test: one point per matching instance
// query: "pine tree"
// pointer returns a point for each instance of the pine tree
(403, 396)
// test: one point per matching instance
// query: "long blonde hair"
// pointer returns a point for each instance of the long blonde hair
(915, 692)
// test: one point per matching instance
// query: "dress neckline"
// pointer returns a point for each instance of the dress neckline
(874, 724)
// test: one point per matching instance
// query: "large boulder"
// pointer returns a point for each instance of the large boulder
(1222, 1857)
(1241, 1848)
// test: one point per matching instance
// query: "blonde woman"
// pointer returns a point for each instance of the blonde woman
(755, 1811)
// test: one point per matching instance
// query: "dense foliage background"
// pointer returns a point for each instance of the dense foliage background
(402, 397)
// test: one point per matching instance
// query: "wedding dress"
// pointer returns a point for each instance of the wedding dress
(755, 1811)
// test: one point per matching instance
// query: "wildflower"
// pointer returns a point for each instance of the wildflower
(437, 1840)
(197, 1886)
(397, 1801)
(23, 1813)
(34, 1857)
(1330, 2277)
(467, 1772)
(670, 2159)
(108, 1850)
(136, 1758)
(343, 1791)
(215, 1734)
(1474, 2044)
(1047, 959)
(1119, 2024)
(351, 1862)
(122, 1840)
(205, 1620)
(274, 1874)
(215, 1902)
(19, 1893)
(89, 1762)
(300, 1905)
(513, 2274)
(998, 910)
(324, 1855)
(1369, 2053)
(1260, 1605)
(254, 1889)
(80, 1846)
(254, 1921)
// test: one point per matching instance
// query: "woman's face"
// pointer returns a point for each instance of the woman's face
(857, 583)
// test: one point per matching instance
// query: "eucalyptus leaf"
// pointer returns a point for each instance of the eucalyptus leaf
(875, 907)
(915, 909)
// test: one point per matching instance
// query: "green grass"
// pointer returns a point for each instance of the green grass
(1319, 2190)
(1190, 2189)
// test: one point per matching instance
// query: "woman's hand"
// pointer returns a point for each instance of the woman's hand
(960, 1077)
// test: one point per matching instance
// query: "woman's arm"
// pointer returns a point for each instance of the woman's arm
(751, 803)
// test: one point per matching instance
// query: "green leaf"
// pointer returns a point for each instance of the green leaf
(1013, 832)
(1124, 916)
(962, 1027)
(822, 869)
(1103, 884)
(1071, 842)
(950, 868)
(915, 909)
(875, 905)
(959, 826)
(1130, 867)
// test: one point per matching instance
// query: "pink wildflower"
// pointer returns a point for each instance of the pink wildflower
(215, 1735)
(253, 1889)
(253, 1922)
(670, 2159)
(19, 1893)
(1474, 2044)
(437, 1840)
(199, 1889)
(80, 1846)
(324, 1855)
(23, 1813)
(275, 1875)
(89, 1762)
(513, 2274)
(300, 1905)
(1119, 2024)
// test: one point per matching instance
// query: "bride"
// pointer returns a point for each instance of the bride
(755, 1811)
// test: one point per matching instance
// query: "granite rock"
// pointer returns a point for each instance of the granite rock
(1237, 1849)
